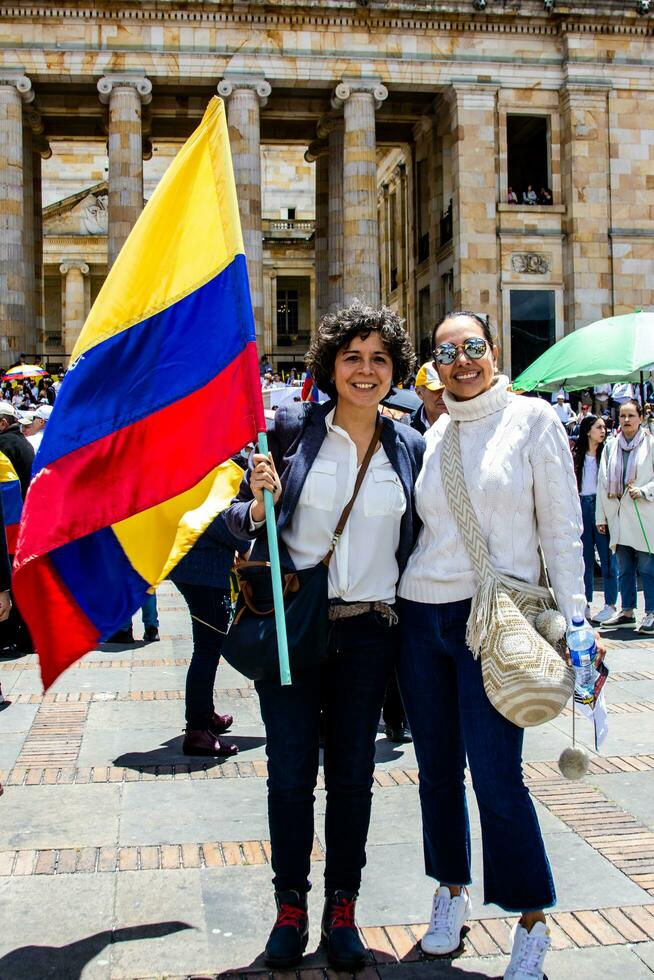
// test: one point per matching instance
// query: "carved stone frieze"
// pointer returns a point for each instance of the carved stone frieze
(530, 263)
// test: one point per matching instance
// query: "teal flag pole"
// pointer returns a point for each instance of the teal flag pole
(642, 526)
(276, 573)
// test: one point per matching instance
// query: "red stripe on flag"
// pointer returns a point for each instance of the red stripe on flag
(61, 631)
(141, 465)
(11, 530)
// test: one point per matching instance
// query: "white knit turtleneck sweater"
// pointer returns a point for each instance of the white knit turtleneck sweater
(519, 474)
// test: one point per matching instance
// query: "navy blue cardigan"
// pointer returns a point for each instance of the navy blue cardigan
(294, 438)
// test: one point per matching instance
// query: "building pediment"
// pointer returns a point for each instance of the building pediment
(82, 214)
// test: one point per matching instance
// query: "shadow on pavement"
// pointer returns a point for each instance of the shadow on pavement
(67, 962)
(623, 633)
(170, 754)
(413, 966)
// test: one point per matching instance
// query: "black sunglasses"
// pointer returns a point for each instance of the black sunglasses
(473, 347)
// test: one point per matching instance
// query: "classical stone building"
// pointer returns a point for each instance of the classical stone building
(416, 117)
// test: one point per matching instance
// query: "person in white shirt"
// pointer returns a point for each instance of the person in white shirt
(518, 472)
(625, 509)
(316, 452)
(564, 410)
(588, 454)
(35, 429)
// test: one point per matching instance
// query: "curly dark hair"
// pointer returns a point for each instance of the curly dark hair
(337, 329)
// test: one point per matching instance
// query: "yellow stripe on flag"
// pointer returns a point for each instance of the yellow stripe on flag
(157, 538)
(193, 217)
(7, 471)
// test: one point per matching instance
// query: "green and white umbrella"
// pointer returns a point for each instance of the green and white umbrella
(620, 348)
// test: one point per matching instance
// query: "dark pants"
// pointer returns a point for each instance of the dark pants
(211, 605)
(451, 717)
(352, 683)
(591, 539)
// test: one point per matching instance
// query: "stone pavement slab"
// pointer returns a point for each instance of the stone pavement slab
(60, 816)
(634, 791)
(225, 809)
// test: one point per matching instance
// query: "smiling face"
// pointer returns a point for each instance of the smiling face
(363, 371)
(465, 378)
(629, 420)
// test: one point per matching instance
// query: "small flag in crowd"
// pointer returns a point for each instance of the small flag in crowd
(162, 390)
(310, 392)
(12, 501)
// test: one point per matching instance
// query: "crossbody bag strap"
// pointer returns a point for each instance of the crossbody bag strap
(376, 436)
(460, 505)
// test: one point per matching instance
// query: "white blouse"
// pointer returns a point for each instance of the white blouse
(589, 476)
(364, 567)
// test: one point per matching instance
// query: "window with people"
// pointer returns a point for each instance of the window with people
(528, 160)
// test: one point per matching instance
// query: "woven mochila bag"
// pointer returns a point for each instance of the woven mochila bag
(525, 677)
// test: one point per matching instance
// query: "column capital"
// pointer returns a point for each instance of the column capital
(34, 120)
(584, 95)
(70, 265)
(316, 149)
(41, 146)
(20, 82)
(141, 84)
(330, 122)
(472, 95)
(348, 87)
(257, 84)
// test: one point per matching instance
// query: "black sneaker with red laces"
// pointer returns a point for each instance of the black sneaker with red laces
(340, 936)
(290, 934)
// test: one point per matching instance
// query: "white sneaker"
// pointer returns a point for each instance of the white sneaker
(647, 624)
(605, 613)
(447, 917)
(528, 952)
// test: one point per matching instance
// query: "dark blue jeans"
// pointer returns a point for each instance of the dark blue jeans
(211, 605)
(631, 561)
(591, 539)
(350, 686)
(451, 717)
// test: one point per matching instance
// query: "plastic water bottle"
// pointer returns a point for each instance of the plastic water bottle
(581, 644)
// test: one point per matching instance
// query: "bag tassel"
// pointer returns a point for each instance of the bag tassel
(482, 613)
(573, 762)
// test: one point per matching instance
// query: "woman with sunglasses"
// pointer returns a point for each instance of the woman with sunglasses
(519, 475)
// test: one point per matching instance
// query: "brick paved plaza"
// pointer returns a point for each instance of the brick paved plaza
(120, 859)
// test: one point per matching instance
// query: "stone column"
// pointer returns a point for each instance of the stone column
(244, 98)
(474, 198)
(383, 243)
(42, 151)
(125, 95)
(585, 183)
(331, 126)
(318, 153)
(15, 89)
(74, 306)
(360, 99)
(34, 147)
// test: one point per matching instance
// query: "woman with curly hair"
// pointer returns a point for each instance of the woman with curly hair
(316, 452)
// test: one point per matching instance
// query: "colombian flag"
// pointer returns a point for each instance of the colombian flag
(12, 501)
(163, 388)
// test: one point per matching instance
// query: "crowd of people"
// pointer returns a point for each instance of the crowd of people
(542, 479)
